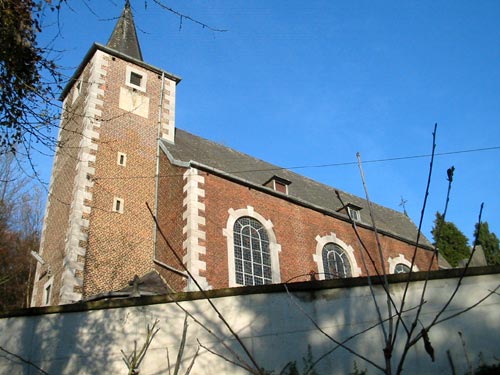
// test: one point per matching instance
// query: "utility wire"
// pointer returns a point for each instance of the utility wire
(323, 165)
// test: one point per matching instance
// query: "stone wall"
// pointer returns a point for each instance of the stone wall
(275, 325)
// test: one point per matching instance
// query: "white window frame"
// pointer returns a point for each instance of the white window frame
(274, 247)
(47, 297)
(354, 214)
(340, 260)
(144, 77)
(321, 241)
(122, 204)
(276, 183)
(400, 259)
(118, 159)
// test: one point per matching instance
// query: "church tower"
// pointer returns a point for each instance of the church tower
(98, 232)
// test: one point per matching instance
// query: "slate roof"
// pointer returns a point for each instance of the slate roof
(124, 36)
(191, 150)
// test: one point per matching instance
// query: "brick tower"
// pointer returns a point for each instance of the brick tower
(97, 232)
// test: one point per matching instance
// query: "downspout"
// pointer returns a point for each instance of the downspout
(157, 184)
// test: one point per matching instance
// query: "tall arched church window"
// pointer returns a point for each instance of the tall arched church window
(335, 258)
(252, 248)
(252, 255)
(335, 262)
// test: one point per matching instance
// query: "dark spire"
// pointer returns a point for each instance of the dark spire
(124, 37)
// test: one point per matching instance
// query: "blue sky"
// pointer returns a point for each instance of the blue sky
(309, 83)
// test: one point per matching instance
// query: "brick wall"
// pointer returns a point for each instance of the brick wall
(120, 245)
(89, 247)
(61, 193)
(295, 227)
(170, 210)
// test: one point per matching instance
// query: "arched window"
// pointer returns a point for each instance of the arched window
(252, 248)
(335, 262)
(400, 264)
(335, 258)
(252, 256)
(401, 268)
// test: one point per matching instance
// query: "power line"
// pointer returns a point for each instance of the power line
(397, 158)
(324, 165)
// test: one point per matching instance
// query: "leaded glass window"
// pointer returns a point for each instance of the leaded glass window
(401, 268)
(335, 262)
(252, 256)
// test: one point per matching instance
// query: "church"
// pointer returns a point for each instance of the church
(134, 196)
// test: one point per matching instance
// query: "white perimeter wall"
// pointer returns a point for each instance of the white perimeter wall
(274, 326)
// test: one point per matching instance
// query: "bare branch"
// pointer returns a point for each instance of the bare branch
(219, 314)
(239, 364)
(181, 347)
(419, 233)
(491, 292)
(183, 16)
(39, 369)
(388, 336)
(339, 343)
(134, 359)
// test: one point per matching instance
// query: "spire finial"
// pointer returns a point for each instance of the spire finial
(124, 37)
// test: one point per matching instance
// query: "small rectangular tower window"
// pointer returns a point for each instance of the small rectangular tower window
(47, 292)
(121, 159)
(118, 204)
(136, 79)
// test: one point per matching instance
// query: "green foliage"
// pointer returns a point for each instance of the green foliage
(450, 241)
(489, 242)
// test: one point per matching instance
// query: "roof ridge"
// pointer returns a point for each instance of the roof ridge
(189, 147)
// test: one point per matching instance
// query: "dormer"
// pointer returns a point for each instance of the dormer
(278, 183)
(353, 211)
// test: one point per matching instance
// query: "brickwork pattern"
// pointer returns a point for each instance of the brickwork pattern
(170, 211)
(91, 249)
(120, 245)
(61, 202)
(296, 229)
(76, 239)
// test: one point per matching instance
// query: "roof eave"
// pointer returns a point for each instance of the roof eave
(215, 171)
(112, 52)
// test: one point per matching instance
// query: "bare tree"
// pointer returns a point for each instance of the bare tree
(397, 321)
(20, 221)
(30, 77)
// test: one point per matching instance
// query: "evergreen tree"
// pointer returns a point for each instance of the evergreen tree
(490, 243)
(450, 241)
